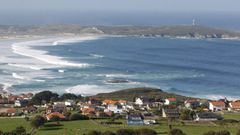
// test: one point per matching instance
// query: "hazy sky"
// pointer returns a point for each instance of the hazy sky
(222, 13)
(121, 5)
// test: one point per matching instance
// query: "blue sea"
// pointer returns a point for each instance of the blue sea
(194, 67)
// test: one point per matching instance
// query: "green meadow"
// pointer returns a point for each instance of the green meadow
(83, 126)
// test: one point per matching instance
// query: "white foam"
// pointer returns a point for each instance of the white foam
(25, 66)
(6, 86)
(39, 80)
(25, 49)
(15, 75)
(116, 75)
(61, 71)
(75, 39)
(97, 55)
(217, 97)
(87, 89)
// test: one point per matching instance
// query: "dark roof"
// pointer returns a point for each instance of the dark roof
(208, 115)
(172, 112)
(134, 117)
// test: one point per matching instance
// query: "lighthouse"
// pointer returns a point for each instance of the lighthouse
(193, 22)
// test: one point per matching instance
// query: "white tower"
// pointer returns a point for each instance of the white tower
(193, 22)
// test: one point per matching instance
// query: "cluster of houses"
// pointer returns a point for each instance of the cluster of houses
(138, 112)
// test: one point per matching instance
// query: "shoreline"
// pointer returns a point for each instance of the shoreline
(72, 39)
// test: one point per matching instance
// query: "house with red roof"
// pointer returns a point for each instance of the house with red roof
(234, 106)
(216, 105)
(170, 101)
(11, 111)
(55, 114)
(87, 111)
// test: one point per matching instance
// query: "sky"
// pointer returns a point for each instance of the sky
(120, 12)
(121, 5)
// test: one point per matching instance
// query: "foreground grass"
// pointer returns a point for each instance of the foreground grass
(83, 126)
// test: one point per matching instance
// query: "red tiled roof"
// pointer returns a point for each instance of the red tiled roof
(88, 110)
(122, 101)
(235, 105)
(218, 103)
(172, 99)
(51, 115)
(11, 110)
(107, 102)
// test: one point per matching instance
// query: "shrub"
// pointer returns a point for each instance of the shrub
(37, 121)
(20, 130)
(210, 133)
(94, 132)
(224, 132)
(145, 131)
(126, 132)
(176, 132)
(78, 116)
(108, 133)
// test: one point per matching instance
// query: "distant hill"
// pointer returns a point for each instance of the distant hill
(171, 31)
(182, 31)
(131, 94)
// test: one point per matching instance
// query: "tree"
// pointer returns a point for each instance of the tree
(176, 132)
(94, 132)
(126, 132)
(145, 131)
(20, 130)
(185, 114)
(108, 133)
(37, 122)
(44, 96)
(69, 96)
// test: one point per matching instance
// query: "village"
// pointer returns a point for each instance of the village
(140, 111)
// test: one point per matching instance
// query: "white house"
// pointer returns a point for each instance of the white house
(216, 105)
(139, 101)
(170, 101)
(70, 103)
(21, 103)
(115, 108)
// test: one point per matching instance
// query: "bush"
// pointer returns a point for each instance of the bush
(20, 130)
(78, 116)
(210, 133)
(126, 132)
(94, 132)
(176, 132)
(37, 121)
(224, 132)
(108, 133)
(146, 131)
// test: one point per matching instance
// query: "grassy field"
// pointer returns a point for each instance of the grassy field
(80, 127)
(231, 116)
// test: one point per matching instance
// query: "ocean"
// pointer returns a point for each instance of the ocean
(207, 68)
